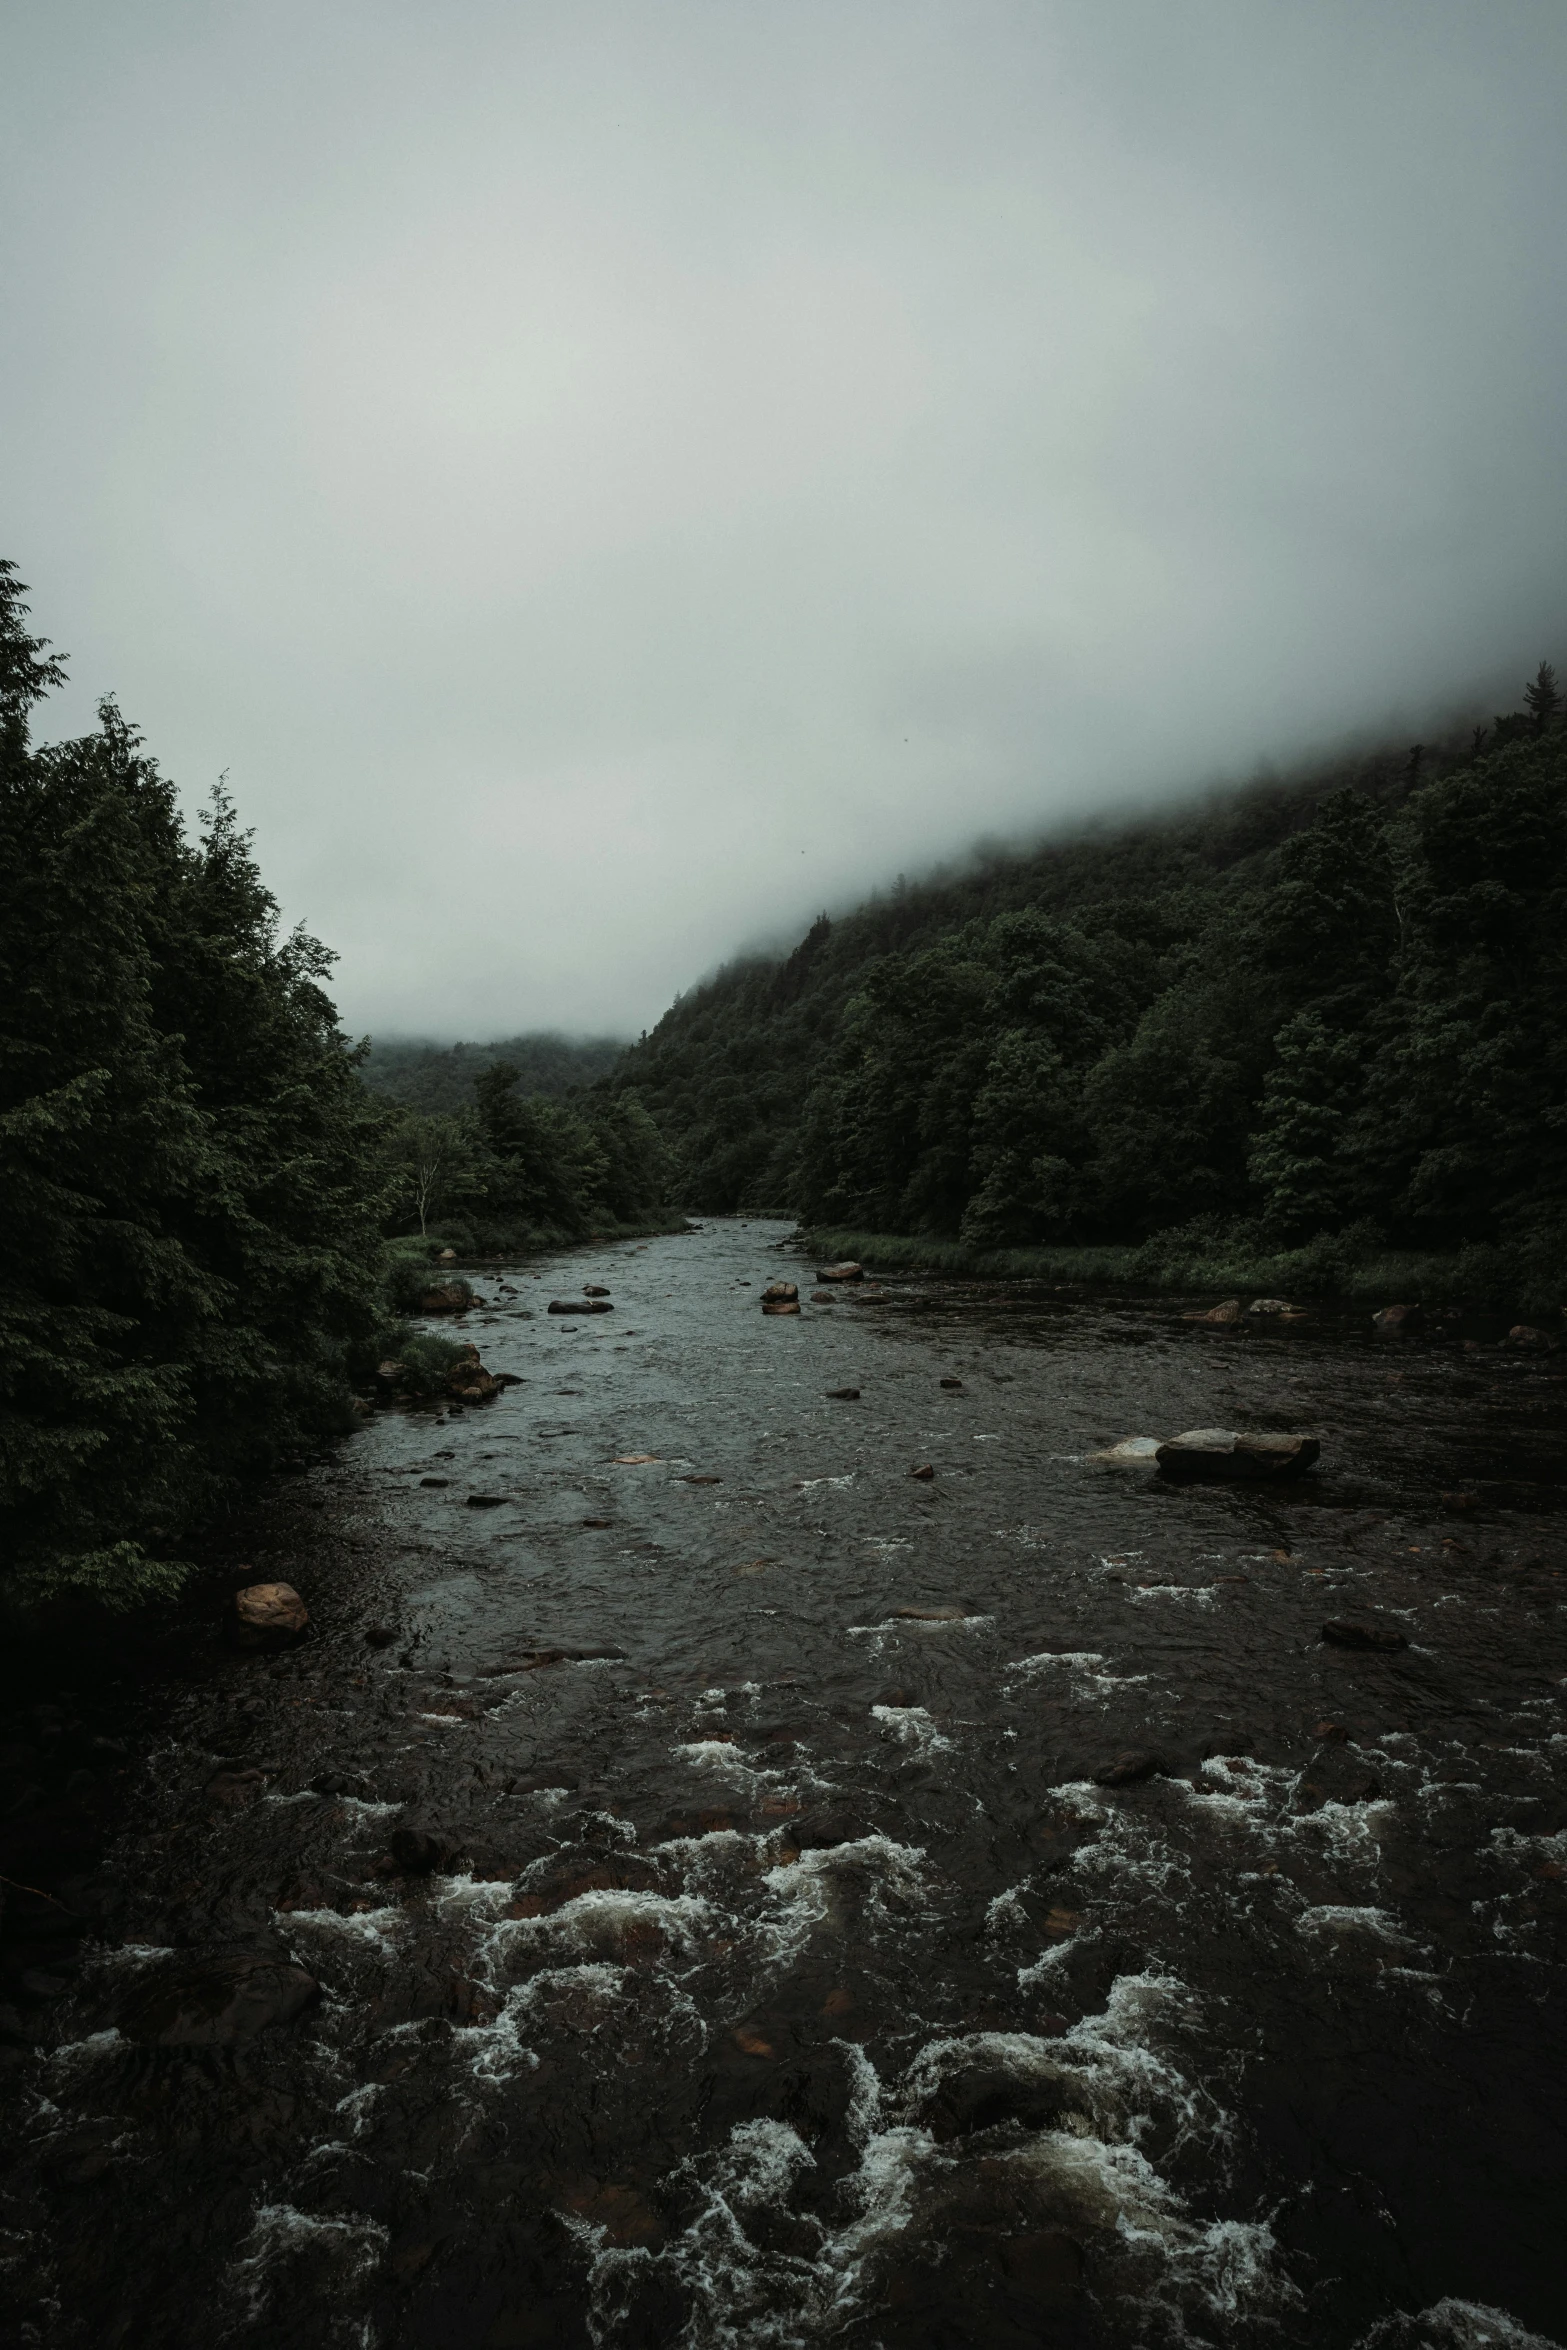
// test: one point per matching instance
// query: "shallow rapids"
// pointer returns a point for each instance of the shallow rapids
(788, 1976)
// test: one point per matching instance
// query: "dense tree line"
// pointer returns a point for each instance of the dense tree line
(1300, 1010)
(439, 1078)
(190, 1178)
(523, 1170)
(196, 1188)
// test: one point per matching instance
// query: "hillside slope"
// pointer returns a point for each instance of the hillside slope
(1311, 1006)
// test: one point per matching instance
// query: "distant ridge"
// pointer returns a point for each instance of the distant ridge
(438, 1078)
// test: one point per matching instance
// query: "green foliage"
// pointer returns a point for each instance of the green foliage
(189, 1196)
(523, 1171)
(1299, 1014)
(435, 1164)
(426, 1359)
(439, 1079)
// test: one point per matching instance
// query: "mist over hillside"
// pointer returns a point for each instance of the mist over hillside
(434, 1077)
(1306, 1007)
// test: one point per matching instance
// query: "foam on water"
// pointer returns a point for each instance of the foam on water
(1453, 2325)
(911, 1727)
(335, 2253)
(1338, 1917)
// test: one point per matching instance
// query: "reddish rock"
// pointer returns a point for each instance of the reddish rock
(1397, 1321)
(1224, 1315)
(267, 1615)
(448, 1297)
(843, 1272)
(468, 1380)
(1530, 1340)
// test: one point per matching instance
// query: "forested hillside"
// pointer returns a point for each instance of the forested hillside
(439, 1078)
(1327, 1007)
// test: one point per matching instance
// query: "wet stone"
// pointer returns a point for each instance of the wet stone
(267, 1615)
(216, 1999)
(986, 2097)
(1128, 1769)
(419, 1852)
(1364, 1632)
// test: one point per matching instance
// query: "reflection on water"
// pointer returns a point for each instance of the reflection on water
(789, 1974)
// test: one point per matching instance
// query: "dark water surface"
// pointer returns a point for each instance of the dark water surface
(787, 1977)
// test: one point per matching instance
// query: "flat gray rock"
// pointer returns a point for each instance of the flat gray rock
(1228, 1455)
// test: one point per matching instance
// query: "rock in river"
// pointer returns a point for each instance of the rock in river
(1224, 1315)
(448, 1297)
(1397, 1321)
(215, 1999)
(418, 1852)
(843, 1272)
(1127, 1770)
(1222, 1454)
(580, 1305)
(267, 1615)
(1363, 1632)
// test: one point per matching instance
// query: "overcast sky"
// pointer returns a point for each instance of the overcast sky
(606, 481)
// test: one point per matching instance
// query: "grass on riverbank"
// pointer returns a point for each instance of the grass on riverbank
(1349, 1265)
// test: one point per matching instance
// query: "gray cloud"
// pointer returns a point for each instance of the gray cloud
(608, 480)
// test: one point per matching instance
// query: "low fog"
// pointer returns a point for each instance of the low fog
(606, 481)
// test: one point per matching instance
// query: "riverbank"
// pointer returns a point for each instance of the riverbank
(1333, 1267)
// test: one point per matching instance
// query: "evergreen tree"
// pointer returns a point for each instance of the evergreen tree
(1543, 698)
(190, 1252)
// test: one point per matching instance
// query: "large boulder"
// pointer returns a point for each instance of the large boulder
(1530, 1340)
(1397, 1321)
(1225, 1316)
(779, 1293)
(1222, 1454)
(580, 1305)
(216, 1998)
(267, 1615)
(468, 1380)
(843, 1272)
(447, 1297)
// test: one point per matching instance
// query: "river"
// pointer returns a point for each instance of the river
(786, 1973)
